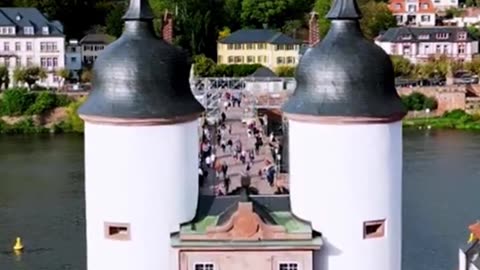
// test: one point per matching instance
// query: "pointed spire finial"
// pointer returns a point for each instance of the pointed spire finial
(344, 10)
(139, 10)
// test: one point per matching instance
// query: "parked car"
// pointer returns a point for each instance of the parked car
(465, 77)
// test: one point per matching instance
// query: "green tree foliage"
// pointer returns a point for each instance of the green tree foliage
(376, 17)
(203, 66)
(402, 66)
(285, 71)
(473, 66)
(73, 121)
(114, 22)
(29, 75)
(418, 101)
(256, 13)
(86, 76)
(231, 9)
(16, 102)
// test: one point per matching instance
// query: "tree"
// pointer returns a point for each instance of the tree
(203, 66)
(257, 13)
(86, 76)
(114, 21)
(224, 33)
(376, 17)
(64, 74)
(29, 75)
(401, 66)
(322, 7)
(4, 77)
(231, 9)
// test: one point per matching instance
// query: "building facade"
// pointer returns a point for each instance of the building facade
(418, 44)
(92, 45)
(445, 4)
(73, 58)
(28, 38)
(258, 46)
(416, 12)
(468, 17)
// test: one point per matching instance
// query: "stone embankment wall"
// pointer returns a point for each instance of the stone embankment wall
(448, 97)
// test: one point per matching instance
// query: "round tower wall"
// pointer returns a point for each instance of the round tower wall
(141, 182)
(347, 180)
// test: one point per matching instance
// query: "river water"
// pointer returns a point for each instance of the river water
(42, 199)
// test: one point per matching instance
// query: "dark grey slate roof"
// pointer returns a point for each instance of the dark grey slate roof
(97, 39)
(258, 36)
(263, 72)
(345, 75)
(140, 76)
(24, 17)
(397, 34)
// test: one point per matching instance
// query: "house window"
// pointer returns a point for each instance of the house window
(442, 35)
(43, 62)
(18, 62)
(445, 49)
(425, 18)
(17, 46)
(250, 59)
(249, 46)
(6, 46)
(7, 62)
(290, 47)
(412, 8)
(117, 231)
(424, 37)
(229, 46)
(461, 48)
(261, 46)
(280, 60)
(406, 37)
(29, 46)
(438, 49)
(73, 59)
(394, 48)
(45, 30)
(259, 59)
(374, 229)
(230, 59)
(204, 266)
(288, 266)
(237, 46)
(398, 6)
(10, 30)
(290, 60)
(425, 6)
(238, 59)
(55, 62)
(29, 61)
(462, 36)
(28, 30)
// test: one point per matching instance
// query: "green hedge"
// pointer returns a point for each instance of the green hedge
(19, 101)
(418, 101)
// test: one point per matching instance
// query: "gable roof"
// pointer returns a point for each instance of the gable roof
(429, 34)
(97, 39)
(263, 72)
(29, 17)
(258, 36)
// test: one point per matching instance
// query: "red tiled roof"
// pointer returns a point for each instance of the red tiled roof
(399, 6)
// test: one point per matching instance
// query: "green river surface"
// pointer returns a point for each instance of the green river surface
(42, 199)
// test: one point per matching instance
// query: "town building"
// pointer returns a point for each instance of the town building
(28, 38)
(468, 17)
(143, 207)
(442, 5)
(413, 13)
(259, 46)
(73, 58)
(92, 45)
(418, 44)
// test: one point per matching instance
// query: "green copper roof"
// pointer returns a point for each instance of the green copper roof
(285, 219)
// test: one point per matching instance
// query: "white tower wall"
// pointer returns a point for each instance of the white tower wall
(145, 176)
(342, 176)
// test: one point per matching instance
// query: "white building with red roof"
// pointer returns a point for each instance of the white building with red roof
(414, 13)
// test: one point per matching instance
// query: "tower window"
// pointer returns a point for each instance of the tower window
(117, 231)
(204, 266)
(288, 266)
(374, 229)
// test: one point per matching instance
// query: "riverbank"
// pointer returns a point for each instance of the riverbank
(456, 119)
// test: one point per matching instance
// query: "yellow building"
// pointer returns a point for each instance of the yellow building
(258, 46)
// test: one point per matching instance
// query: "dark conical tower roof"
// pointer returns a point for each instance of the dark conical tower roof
(345, 75)
(139, 76)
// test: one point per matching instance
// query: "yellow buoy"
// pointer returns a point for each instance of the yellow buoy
(18, 245)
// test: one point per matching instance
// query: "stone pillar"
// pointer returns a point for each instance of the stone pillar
(314, 31)
(167, 27)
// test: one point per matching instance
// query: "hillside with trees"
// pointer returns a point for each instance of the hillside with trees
(199, 23)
